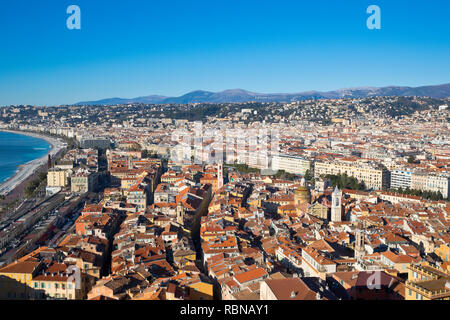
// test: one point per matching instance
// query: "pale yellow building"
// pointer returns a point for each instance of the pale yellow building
(16, 280)
(431, 182)
(201, 291)
(427, 283)
(374, 176)
(55, 286)
(443, 251)
(57, 178)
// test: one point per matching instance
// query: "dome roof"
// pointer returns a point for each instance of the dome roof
(301, 189)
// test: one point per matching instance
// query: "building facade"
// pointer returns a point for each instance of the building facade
(374, 176)
(400, 179)
(290, 164)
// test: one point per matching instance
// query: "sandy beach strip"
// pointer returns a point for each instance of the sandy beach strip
(27, 169)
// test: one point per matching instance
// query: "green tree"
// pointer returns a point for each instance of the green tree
(308, 176)
(343, 181)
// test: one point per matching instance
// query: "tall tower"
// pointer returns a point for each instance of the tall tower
(180, 214)
(219, 175)
(359, 242)
(130, 163)
(336, 205)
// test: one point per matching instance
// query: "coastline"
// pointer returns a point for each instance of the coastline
(26, 170)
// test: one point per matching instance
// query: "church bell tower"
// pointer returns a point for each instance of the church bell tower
(180, 214)
(336, 205)
(219, 175)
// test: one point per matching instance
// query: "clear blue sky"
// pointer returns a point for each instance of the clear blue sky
(141, 47)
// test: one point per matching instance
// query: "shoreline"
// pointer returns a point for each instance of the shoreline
(24, 171)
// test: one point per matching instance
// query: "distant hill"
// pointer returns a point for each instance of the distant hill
(239, 95)
(113, 101)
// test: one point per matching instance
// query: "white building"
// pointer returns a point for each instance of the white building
(290, 164)
(314, 264)
(401, 178)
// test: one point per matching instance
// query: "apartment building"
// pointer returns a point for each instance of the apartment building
(431, 182)
(373, 175)
(95, 143)
(401, 178)
(427, 283)
(138, 195)
(259, 160)
(57, 178)
(56, 286)
(316, 264)
(290, 164)
(83, 181)
(16, 278)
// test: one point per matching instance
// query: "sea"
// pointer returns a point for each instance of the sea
(17, 149)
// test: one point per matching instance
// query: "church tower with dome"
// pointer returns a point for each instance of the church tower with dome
(302, 198)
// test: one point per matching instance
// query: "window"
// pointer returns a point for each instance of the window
(42, 285)
(36, 285)
(56, 286)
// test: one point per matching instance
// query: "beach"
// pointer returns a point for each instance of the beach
(28, 169)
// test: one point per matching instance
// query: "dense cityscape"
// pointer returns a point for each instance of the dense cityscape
(322, 199)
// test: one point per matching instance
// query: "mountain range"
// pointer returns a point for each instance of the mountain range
(239, 95)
